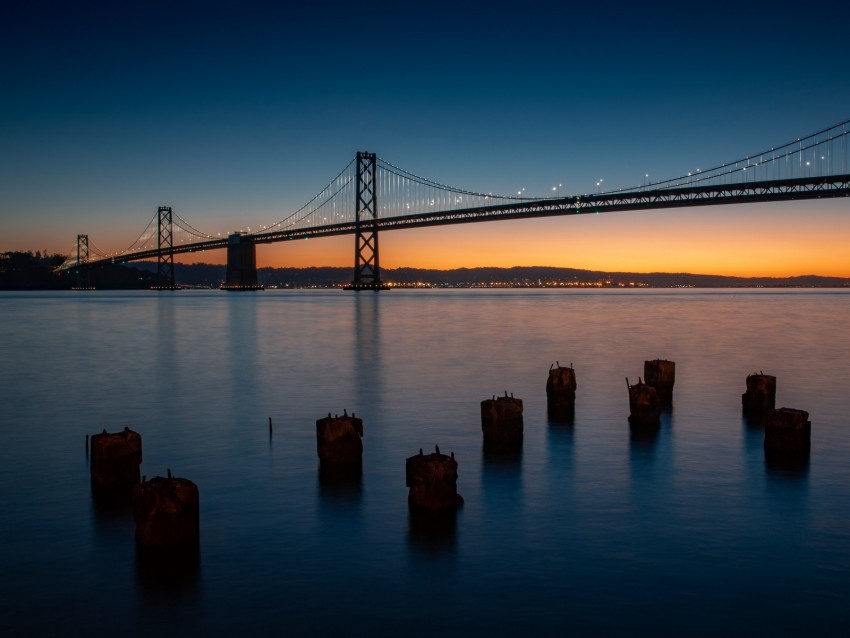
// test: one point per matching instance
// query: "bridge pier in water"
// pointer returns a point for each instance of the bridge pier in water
(241, 263)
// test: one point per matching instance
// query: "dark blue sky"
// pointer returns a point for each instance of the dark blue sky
(241, 111)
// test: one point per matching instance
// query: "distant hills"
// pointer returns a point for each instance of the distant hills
(519, 276)
(28, 271)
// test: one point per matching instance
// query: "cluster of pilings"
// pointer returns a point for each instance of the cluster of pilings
(652, 394)
(432, 478)
(166, 510)
(787, 431)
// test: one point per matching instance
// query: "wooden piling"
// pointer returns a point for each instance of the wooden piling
(760, 397)
(114, 466)
(432, 479)
(644, 405)
(501, 421)
(561, 393)
(661, 375)
(787, 431)
(338, 439)
(167, 512)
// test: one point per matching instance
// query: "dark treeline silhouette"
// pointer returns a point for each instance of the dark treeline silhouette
(36, 271)
(28, 271)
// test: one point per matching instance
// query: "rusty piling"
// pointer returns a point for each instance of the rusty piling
(167, 512)
(644, 405)
(432, 479)
(561, 393)
(661, 375)
(114, 464)
(760, 397)
(338, 440)
(501, 421)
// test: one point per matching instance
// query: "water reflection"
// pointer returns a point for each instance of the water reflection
(560, 470)
(164, 569)
(432, 534)
(502, 459)
(650, 452)
(561, 438)
(168, 588)
(753, 433)
(787, 467)
(112, 522)
(242, 344)
(642, 438)
(341, 485)
(367, 350)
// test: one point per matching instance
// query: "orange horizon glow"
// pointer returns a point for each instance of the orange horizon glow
(776, 240)
(725, 242)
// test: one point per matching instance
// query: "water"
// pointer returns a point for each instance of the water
(588, 532)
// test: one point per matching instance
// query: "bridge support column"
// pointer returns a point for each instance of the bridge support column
(241, 263)
(367, 272)
(164, 251)
(83, 274)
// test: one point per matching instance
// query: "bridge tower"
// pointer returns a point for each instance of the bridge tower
(367, 272)
(83, 274)
(165, 250)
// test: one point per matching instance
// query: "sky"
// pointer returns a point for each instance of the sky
(237, 113)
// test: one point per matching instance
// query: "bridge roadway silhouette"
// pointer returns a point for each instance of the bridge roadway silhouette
(370, 196)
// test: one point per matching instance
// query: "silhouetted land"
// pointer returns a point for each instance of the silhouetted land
(29, 271)
(520, 276)
(35, 271)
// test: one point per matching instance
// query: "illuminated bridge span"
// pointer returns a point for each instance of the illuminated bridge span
(371, 195)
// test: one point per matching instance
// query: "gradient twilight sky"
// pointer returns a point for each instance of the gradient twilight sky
(237, 113)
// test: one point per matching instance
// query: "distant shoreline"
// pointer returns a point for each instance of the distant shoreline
(25, 271)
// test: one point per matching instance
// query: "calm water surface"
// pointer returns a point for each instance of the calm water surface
(587, 532)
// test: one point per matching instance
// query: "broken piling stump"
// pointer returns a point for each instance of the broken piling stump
(787, 431)
(114, 467)
(760, 396)
(661, 375)
(432, 480)
(338, 440)
(561, 393)
(644, 405)
(501, 421)
(166, 511)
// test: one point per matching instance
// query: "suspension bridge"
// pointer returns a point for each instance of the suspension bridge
(371, 195)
